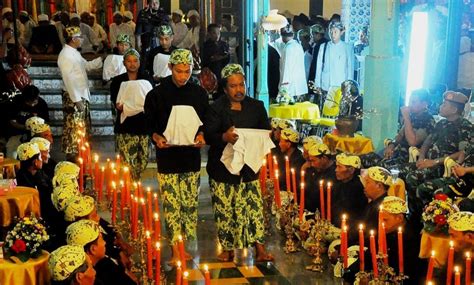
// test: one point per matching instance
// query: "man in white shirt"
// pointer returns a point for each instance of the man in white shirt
(335, 62)
(292, 68)
(128, 19)
(179, 28)
(98, 31)
(90, 41)
(191, 40)
(76, 93)
(114, 28)
(7, 22)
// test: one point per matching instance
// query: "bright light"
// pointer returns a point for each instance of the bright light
(417, 53)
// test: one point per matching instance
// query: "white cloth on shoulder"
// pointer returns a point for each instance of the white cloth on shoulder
(250, 149)
(183, 124)
(160, 65)
(132, 95)
(113, 66)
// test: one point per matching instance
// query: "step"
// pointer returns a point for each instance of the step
(37, 71)
(98, 96)
(50, 82)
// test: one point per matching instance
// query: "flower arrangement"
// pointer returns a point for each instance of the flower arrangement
(436, 213)
(26, 239)
(283, 98)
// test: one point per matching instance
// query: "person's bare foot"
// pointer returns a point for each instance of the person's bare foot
(261, 253)
(226, 256)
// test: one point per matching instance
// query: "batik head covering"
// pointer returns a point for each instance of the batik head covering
(310, 141)
(42, 143)
(30, 122)
(349, 160)
(131, 51)
(286, 124)
(337, 25)
(462, 221)
(38, 129)
(181, 56)
(65, 178)
(65, 260)
(319, 149)
(394, 205)
(73, 31)
(231, 69)
(317, 29)
(82, 232)
(66, 167)
(27, 150)
(274, 123)
(123, 38)
(165, 30)
(62, 194)
(290, 135)
(78, 207)
(380, 174)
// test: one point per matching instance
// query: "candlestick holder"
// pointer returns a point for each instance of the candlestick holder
(363, 277)
(387, 274)
(316, 249)
(399, 278)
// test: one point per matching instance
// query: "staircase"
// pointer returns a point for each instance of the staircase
(46, 76)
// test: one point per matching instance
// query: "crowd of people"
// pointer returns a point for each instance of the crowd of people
(150, 72)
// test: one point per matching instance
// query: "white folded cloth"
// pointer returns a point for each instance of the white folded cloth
(183, 124)
(160, 65)
(113, 66)
(132, 95)
(250, 149)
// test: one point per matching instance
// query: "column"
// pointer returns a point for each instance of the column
(453, 37)
(382, 74)
(262, 55)
(247, 43)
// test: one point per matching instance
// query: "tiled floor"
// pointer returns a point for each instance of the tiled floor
(286, 269)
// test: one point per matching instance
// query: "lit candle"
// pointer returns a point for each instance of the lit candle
(384, 245)
(344, 247)
(101, 184)
(144, 213)
(81, 174)
(400, 251)
(329, 202)
(149, 206)
(301, 202)
(343, 221)
(429, 273)
(157, 263)
(182, 257)
(135, 219)
(149, 254)
(114, 203)
(185, 277)
(293, 184)
(96, 172)
(117, 161)
(108, 173)
(457, 276)
(270, 166)
(178, 273)
(321, 199)
(84, 158)
(449, 275)
(157, 231)
(263, 177)
(468, 268)
(207, 275)
(155, 203)
(361, 248)
(275, 165)
(287, 173)
(373, 252)
(126, 180)
(88, 158)
(277, 190)
(122, 200)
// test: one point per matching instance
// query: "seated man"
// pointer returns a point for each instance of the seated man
(87, 234)
(69, 264)
(45, 39)
(308, 142)
(289, 139)
(348, 192)
(323, 168)
(48, 163)
(90, 41)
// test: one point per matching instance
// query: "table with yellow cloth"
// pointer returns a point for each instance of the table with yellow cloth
(7, 167)
(354, 145)
(299, 111)
(440, 244)
(32, 272)
(19, 202)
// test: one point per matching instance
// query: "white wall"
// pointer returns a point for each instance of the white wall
(302, 6)
(330, 7)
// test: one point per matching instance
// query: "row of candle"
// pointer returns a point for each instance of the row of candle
(182, 275)
(450, 267)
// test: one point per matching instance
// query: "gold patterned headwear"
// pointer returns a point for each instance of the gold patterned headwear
(181, 56)
(462, 221)
(65, 178)
(286, 124)
(66, 167)
(33, 121)
(27, 150)
(165, 30)
(394, 205)
(65, 260)
(349, 160)
(123, 38)
(290, 135)
(274, 123)
(131, 51)
(78, 207)
(38, 129)
(73, 31)
(231, 69)
(42, 143)
(62, 194)
(380, 174)
(319, 149)
(82, 232)
(310, 141)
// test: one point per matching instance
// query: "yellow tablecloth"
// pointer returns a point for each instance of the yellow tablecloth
(34, 271)
(354, 145)
(18, 202)
(299, 111)
(8, 165)
(437, 243)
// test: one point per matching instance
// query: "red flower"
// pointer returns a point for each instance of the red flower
(19, 246)
(440, 219)
(440, 196)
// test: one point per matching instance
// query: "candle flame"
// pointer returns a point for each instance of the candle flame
(361, 226)
(399, 229)
(185, 275)
(80, 160)
(180, 237)
(344, 217)
(468, 254)
(96, 157)
(302, 184)
(433, 253)
(155, 196)
(381, 208)
(372, 232)
(87, 144)
(113, 184)
(118, 156)
(158, 245)
(276, 173)
(148, 189)
(112, 165)
(142, 201)
(136, 199)
(302, 173)
(147, 233)
(321, 182)
(329, 184)
(451, 243)
(125, 169)
(155, 215)
(456, 269)
(292, 170)
(286, 157)
(178, 263)
(344, 229)
(264, 162)
(102, 169)
(206, 267)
